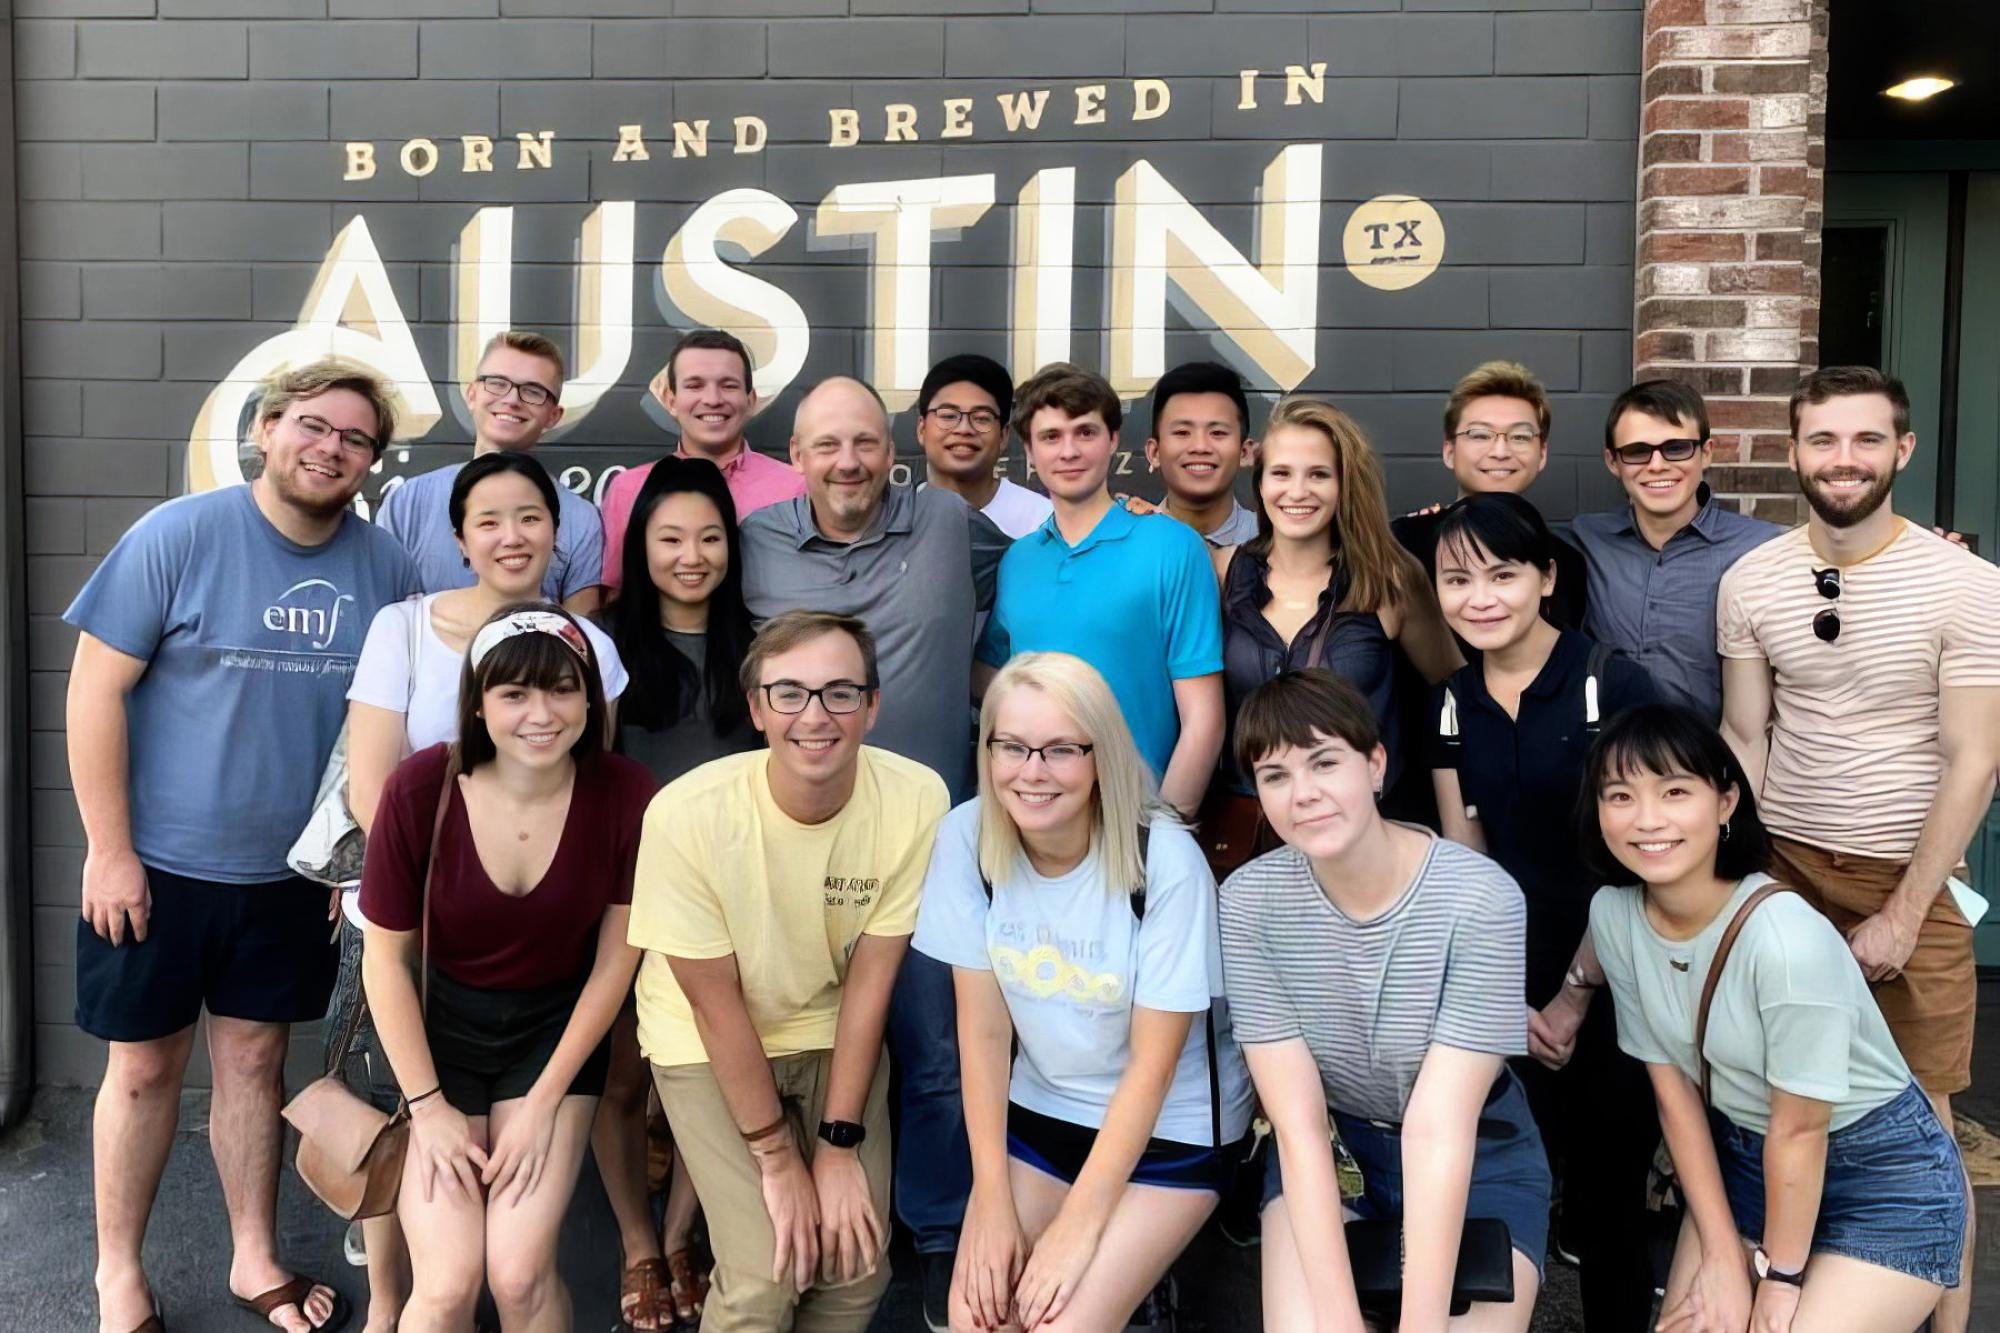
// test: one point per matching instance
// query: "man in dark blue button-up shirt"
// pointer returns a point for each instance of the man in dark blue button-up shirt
(1655, 564)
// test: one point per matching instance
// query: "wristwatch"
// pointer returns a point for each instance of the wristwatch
(1765, 1269)
(842, 1133)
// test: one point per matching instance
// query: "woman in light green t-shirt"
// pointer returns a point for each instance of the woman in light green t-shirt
(1816, 1156)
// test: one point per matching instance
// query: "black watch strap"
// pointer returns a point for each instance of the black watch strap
(842, 1133)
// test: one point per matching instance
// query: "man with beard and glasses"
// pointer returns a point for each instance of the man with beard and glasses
(1861, 689)
(215, 646)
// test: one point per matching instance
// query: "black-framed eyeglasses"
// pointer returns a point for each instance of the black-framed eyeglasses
(318, 428)
(982, 418)
(1519, 439)
(533, 394)
(1640, 452)
(1014, 754)
(838, 697)
(1827, 623)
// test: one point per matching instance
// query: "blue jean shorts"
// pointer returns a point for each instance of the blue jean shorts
(1895, 1193)
(1510, 1169)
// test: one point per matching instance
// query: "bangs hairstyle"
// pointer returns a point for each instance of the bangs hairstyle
(1498, 379)
(1830, 382)
(1074, 391)
(1364, 549)
(280, 391)
(793, 629)
(1664, 400)
(1124, 796)
(533, 344)
(539, 662)
(1500, 525)
(1301, 709)
(1666, 739)
(498, 463)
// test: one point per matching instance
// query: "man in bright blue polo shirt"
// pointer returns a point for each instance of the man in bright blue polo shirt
(1134, 597)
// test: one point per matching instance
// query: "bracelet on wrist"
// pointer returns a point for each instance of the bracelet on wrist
(753, 1135)
(411, 1102)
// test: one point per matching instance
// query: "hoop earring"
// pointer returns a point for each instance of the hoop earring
(1725, 830)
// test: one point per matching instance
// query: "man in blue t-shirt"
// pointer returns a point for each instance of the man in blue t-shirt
(1134, 597)
(515, 397)
(214, 650)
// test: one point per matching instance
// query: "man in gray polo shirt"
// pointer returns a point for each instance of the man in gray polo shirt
(1655, 564)
(918, 568)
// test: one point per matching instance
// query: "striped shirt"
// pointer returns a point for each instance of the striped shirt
(1370, 997)
(1854, 760)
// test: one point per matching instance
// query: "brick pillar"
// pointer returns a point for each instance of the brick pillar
(1732, 153)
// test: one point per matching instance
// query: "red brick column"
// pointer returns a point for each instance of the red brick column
(1732, 153)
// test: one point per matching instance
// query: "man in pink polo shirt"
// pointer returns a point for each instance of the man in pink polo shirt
(707, 389)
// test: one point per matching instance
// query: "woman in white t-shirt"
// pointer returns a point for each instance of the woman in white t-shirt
(1079, 919)
(404, 697)
(1823, 1195)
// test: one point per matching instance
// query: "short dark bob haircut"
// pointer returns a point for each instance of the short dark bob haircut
(1297, 709)
(499, 463)
(1668, 739)
(1504, 526)
(540, 662)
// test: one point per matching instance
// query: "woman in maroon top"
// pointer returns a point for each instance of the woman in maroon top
(503, 1063)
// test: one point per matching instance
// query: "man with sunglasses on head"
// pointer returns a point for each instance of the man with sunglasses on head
(962, 413)
(515, 397)
(1861, 690)
(1655, 564)
(215, 645)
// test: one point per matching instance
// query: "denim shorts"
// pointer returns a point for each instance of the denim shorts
(1510, 1169)
(1894, 1196)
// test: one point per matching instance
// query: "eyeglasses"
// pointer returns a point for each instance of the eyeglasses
(1519, 439)
(532, 394)
(841, 697)
(1640, 452)
(982, 418)
(318, 428)
(1013, 754)
(1827, 623)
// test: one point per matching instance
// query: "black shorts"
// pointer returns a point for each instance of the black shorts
(260, 952)
(491, 1045)
(1059, 1148)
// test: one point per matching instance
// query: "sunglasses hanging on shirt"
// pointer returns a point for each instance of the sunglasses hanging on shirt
(1827, 623)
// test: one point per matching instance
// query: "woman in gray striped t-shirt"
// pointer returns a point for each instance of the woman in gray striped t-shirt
(1374, 971)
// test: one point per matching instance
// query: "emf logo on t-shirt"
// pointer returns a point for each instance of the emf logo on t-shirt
(310, 607)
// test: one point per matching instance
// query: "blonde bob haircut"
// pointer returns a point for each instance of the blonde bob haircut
(1125, 795)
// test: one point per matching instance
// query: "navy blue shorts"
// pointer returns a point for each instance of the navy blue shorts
(1510, 1169)
(1059, 1148)
(1894, 1192)
(261, 952)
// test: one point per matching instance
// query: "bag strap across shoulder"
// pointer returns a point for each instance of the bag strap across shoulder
(1715, 966)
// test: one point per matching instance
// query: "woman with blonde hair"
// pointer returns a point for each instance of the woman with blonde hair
(1079, 921)
(1323, 584)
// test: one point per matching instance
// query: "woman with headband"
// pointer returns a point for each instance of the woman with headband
(494, 987)
(404, 697)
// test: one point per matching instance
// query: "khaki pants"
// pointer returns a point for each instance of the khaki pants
(1930, 1004)
(743, 1298)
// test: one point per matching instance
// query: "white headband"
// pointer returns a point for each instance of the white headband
(528, 622)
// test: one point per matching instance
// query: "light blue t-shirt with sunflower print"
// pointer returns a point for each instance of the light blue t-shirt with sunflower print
(1072, 958)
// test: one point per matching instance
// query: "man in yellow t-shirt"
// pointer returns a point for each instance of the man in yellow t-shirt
(775, 896)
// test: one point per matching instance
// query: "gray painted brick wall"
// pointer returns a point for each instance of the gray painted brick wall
(179, 181)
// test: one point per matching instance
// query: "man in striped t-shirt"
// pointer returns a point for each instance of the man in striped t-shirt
(1861, 690)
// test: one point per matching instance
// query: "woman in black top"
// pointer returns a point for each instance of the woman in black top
(681, 629)
(1323, 584)
(1514, 733)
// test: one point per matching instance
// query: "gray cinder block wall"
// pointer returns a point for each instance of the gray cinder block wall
(180, 182)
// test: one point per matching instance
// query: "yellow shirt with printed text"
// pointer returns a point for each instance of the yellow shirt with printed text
(722, 870)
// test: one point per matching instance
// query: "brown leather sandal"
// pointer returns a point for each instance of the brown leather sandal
(295, 1292)
(689, 1286)
(645, 1303)
(155, 1322)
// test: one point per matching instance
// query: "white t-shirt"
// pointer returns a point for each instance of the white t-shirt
(1016, 510)
(382, 678)
(1072, 958)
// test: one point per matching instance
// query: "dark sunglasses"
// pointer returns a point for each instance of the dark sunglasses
(1639, 452)
(1827, 623)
